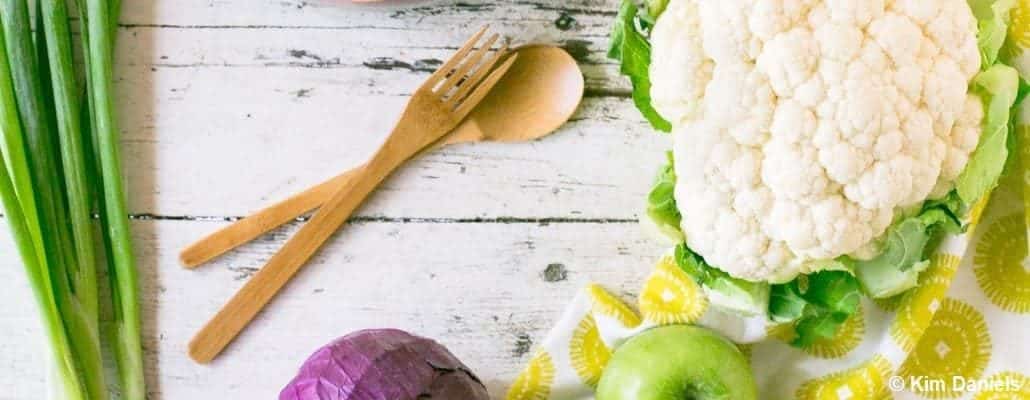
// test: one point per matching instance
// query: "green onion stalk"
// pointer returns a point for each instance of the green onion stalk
(20, 210)
(73, 152)
(72, 278)
(100, 51)
(59, 146)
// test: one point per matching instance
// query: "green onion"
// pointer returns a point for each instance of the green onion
(19, 207)
(54, 18)
(60, 165)
(100, 52)
(74, 288)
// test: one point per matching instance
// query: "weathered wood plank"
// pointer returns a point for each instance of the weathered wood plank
(223, 141)
(436, 279)
(339, 14)
(287, 107)
(413, 51)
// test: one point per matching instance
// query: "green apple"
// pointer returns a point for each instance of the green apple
(677, 362)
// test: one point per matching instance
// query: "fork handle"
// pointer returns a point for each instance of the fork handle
(262, 287)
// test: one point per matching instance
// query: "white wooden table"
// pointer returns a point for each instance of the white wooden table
(227, 105)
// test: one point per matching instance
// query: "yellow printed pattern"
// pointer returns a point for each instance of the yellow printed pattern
(955, 344)
(670, 296)
(915, 312)
(587, 352)
(534, 383)
(783, 332)
(604, 303)
(942, 266)
(977, 211)
(999, 264)
(866, 382)
(1020, 26)
(1006, 386)
(889, 304)
(916, 307)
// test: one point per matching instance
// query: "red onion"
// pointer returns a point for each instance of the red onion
(383, 364)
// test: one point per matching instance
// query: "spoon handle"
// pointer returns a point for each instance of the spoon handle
(253, 226)
(243, 231)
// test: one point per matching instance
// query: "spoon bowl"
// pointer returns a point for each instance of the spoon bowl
(539, 93)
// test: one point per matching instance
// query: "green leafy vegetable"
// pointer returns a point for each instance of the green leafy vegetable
(632, 49)
(785, 304)
(998, 86)
(652, 9)
(661, 202)
(992, 17)
(729, 293)
(906, 250)
(817, 304)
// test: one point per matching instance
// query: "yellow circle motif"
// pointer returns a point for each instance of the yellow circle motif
(604, 303)
(783, 331)
(889, 303)
(670, 296)
(1006, 385)
(848, 337)
(1020, 27)
(534, 383)
(587, 352)
(999, 264)
(866, 381)
(955, 344)
(942, 266)
(915, 311)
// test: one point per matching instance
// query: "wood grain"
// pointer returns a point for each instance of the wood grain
(436, 279)
(206, 84)
(199, 117)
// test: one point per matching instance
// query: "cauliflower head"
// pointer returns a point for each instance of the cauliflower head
(803, 127)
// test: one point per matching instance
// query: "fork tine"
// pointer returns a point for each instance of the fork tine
(473, 99)
(470, 62)
(455, 59)
(487, 66)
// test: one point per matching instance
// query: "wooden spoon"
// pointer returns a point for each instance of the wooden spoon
(537, 95)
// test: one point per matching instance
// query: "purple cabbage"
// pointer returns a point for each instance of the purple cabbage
(383, 364)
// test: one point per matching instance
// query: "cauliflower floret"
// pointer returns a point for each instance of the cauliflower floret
(802, 127)
(686, 70)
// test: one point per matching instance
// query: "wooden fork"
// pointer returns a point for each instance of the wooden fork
(437, 107)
